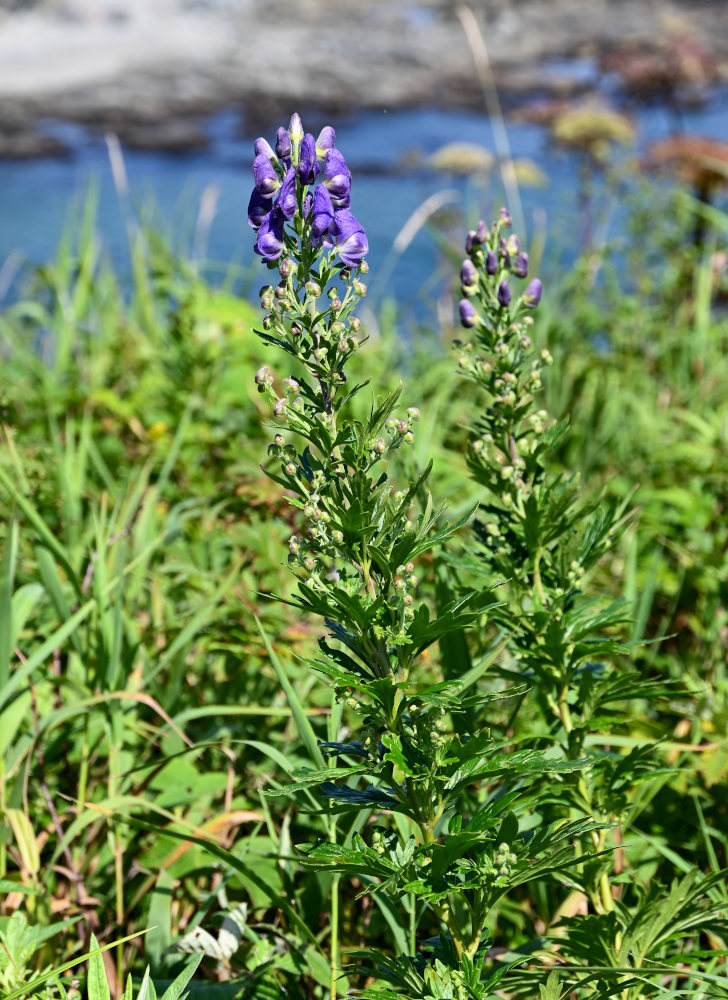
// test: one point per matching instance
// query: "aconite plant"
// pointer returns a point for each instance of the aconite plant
(480, 780)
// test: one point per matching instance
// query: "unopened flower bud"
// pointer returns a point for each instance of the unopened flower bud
(399, 583)
(336, 305)
(532, 295)
(407, 600)
(295, 128)
(468, 315)
(280, 408)
(504, 217)
(380, 446)
(402, 426)
(355, 323)
(409, 437)
(320, 353)
(470, 241)
(337, 536)
(468, 277)
(267, 301)
(520, 265)
(481, 232)
(295, 330)
(291, 468)
(343, 346)
(292, 384)
(285, 267)
(313, 288)
(261, 376)
(504, 293)
(360, 288)
(513, 245)
(413, 413)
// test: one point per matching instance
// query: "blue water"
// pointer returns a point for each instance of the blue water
(39, 198)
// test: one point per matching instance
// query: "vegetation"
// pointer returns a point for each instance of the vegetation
(527, 795)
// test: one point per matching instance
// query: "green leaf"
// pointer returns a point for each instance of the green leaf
(176, 989)
(97, 983)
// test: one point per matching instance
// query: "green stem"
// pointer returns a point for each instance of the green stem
(3, 848)
(537, 582)
(334, 928)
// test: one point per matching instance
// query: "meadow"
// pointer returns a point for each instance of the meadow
(211, 767)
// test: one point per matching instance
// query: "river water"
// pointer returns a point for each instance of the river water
(386, 151)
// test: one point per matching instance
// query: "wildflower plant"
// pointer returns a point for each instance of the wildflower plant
(449, 802)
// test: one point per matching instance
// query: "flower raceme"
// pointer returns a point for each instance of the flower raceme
(484, 274)
(286, 191)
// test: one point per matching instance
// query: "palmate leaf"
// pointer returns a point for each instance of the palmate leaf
(520, 762)
(306, 777)
(664, 916)
(454, 617)
(344, 798)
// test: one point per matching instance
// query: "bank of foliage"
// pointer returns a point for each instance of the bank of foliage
(500, 768)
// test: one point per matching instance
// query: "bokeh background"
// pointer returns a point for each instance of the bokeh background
(157, 102)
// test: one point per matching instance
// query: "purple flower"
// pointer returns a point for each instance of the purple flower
(270, 235)
(470, 241)
(468, 277)
(326, 140)
(505, 217)
(307, 163)
(491, 262)
(295, 128)
(263, 148)
(286, 200)
(481, 233)
(520, 265)
(322, 213)
(283, 145)
(266, 179)
(258, 208)
(348, 238)
(337, 179)
(532, 295)
(468, 315)
(504, 293)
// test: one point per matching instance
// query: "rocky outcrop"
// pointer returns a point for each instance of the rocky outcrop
(149, 71)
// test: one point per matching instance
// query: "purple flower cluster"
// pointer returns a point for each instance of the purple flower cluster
(490, 251)
(284, 191)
